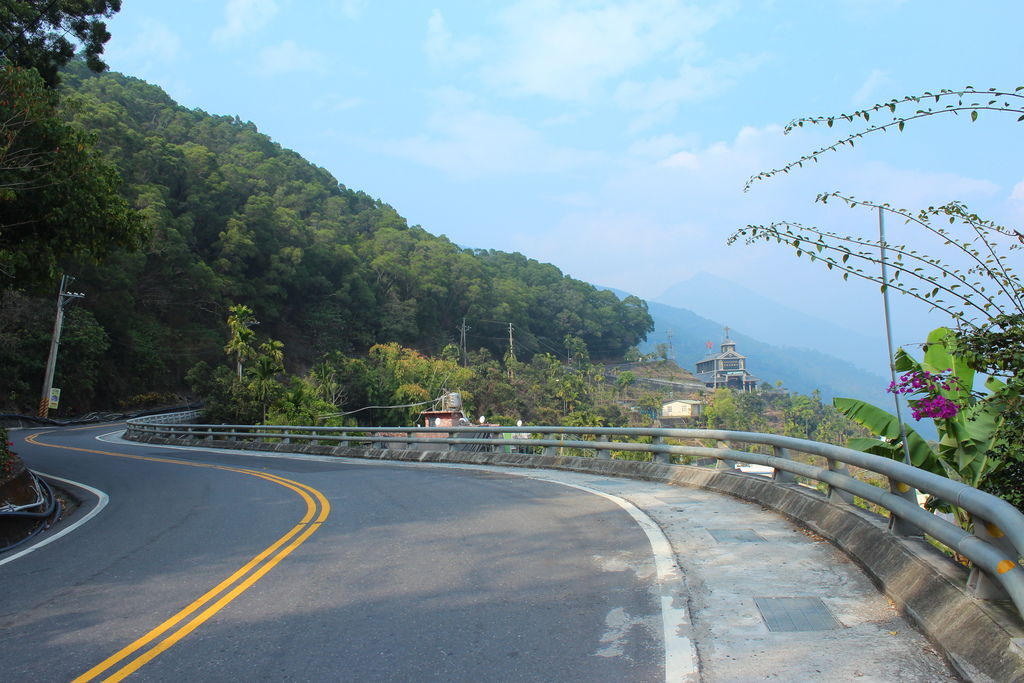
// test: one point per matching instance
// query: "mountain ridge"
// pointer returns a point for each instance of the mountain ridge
(778, 324)
(801, 370)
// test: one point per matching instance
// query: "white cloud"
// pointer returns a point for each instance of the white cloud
(242, 17)
(682, 159)
(592, 244)
(877, 83)
(287, 57)
(567, 50)
(659, 99)
(563, 119)
(662, 146)
(672, 212)
(442, 48)
(869, 10)
(333, 102)
(152, 43)
(352, 9)
(348, 103)
(469, 142)
(1018, 192)
(575, 199)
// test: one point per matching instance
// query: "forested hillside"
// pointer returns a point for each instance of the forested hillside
(237, 219)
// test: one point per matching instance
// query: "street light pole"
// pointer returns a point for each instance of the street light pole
(63, 299)
(897, 525)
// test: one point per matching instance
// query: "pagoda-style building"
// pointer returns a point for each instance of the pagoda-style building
(726, 369)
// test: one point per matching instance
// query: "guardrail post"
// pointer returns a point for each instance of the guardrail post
(551, 450)
(837, 495)
(603, 454)
(980, 584)
(664, 458)
(782, 476)
(314, 441)
(722, 463)
(897, 525)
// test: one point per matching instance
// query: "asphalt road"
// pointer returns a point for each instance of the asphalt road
(210, 566)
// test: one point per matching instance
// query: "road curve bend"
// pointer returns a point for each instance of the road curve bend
(216, 566)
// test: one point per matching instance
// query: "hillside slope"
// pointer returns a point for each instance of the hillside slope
(235, 218)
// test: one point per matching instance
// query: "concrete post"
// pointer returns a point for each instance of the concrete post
(979, 584)
(550, 450)
(664, 458)
(897, 525)
(724, 464)
(838, 495)
(603, 454)
(782, 476)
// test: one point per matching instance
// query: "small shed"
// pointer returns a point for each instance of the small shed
(681, 407)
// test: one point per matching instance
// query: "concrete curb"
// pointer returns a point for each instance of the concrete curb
(920, 580)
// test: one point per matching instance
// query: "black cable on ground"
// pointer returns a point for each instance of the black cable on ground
(46, 519)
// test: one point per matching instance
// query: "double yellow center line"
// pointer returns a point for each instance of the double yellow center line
(136, 655)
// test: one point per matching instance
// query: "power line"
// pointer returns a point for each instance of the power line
(359, 410)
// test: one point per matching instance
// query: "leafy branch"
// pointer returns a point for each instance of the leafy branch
(998, 100)
(987, 288)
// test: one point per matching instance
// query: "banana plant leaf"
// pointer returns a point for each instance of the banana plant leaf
(886, 425)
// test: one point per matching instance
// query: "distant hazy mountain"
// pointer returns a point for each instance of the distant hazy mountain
(751, 313)
(799, 369)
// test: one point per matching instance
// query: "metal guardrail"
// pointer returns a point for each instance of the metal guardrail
(168, 418)
(994, 549)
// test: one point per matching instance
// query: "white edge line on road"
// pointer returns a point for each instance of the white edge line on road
(680, 655)
(101, 502)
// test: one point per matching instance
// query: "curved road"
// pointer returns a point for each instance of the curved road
(214, 566)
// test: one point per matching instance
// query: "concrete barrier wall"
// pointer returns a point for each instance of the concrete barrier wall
(984, 640)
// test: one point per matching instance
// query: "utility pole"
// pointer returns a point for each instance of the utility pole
(63, 299)
(511, 352)
(671, 350)
(465, 361)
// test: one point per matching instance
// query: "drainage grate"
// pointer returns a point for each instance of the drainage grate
(796, 614)
(735, 536)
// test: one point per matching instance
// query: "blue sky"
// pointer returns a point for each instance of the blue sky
(612, 139)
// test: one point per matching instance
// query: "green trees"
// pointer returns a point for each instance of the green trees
(252, 392)
(241, 343)
(58, 197)
(35, 33)
(796, 415)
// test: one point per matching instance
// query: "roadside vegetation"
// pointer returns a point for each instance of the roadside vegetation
(981, 433)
